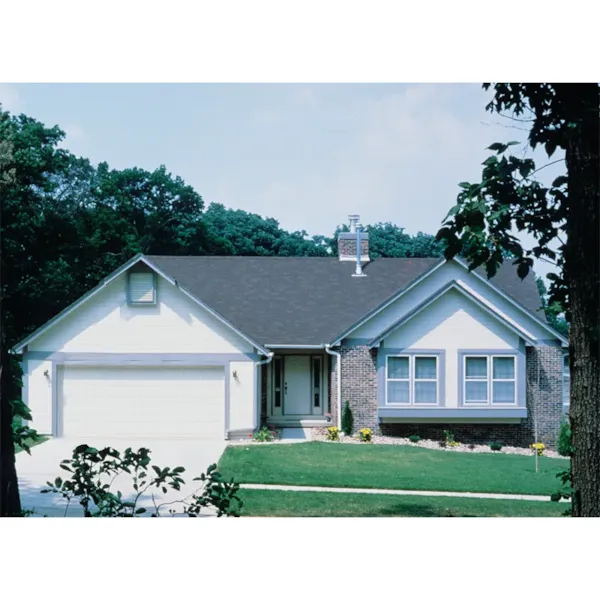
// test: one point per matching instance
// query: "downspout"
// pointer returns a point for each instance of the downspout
(339, 382)
(258, 389)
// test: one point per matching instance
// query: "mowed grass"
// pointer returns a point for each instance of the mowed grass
(390, 467)
(274, 503)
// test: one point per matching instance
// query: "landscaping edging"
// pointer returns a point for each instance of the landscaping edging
(400, 441)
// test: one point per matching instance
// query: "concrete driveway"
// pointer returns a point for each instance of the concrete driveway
(43, 465)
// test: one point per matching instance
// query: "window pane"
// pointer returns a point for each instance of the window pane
(475, 392)
(317, 382)
(425, 367)
(398, 392)
(398, 367)
(504, 392)
(425, 392)
(504, 367)
(566, 364)
(476, 367)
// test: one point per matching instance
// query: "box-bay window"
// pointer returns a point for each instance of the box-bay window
(412, 380)
(489, 380)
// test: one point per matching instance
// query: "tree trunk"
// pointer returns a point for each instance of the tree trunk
(10, 502)
(582, 272)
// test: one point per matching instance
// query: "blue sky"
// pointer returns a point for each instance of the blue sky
(305, 154)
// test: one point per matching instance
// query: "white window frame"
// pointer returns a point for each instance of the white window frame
(412, 380)
(130, 300)
(489, 380)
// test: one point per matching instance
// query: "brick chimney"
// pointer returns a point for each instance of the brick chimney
(347, 242)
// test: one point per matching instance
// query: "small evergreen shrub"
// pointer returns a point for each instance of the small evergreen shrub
(347, 420)
(415, 439)
(496, 446)
(564, 446)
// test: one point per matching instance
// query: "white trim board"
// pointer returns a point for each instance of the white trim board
(467, 292)
(367, 317)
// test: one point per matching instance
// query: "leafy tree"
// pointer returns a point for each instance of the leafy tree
(565, 117)
(94, 471)
(554, 312)
(237, 232)
(387, 240)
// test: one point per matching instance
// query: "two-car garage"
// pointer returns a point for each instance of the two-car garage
(141, 402)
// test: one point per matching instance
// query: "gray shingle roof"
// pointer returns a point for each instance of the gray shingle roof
(307, 300)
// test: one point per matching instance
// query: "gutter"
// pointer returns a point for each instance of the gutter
(339, 382)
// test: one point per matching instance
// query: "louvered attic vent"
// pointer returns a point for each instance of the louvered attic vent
(142, 288)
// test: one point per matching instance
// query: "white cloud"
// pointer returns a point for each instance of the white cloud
(9, 97)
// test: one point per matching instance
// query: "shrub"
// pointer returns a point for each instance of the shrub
(93, 472)
(347, 420)
(442, 443)
(265, 434)
(415, 439)
(449, 439)
(471, 446)
(333, 434)
(366, 435)
(538, 448)
(496, 446)
(564, 446)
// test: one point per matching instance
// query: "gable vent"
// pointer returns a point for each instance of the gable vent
(142, 288)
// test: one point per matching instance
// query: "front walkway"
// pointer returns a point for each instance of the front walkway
(302, 488)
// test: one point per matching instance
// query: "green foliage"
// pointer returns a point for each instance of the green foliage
(414, 438)
(496, 446)
(566, 491)
(347, 420)
(564, 446)
(366, 435)
(93, 471)
(265, 434)
(387, 240)
(333, 434)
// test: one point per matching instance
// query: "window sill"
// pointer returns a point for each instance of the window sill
(436, 412)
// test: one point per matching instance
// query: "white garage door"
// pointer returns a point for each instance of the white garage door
(144, 402)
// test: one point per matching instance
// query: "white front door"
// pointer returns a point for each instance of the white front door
(296, 388)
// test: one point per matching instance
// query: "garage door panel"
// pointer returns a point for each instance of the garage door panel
(142, 402)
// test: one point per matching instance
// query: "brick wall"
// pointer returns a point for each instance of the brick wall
(359, 385)
(544, 401)
(348, 247)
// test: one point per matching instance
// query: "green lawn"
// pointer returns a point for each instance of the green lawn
(262, 503)
(391, 467)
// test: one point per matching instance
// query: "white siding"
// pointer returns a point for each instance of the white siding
(446, 273)
(142, 402)
(241, 395)
(176, 324)
(451, 323)
(39, 394)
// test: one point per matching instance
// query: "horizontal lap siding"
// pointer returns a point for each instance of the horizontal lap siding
(444, 274)
(451, 323)
(106, 323)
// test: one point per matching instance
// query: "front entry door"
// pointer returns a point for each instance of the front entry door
(296, 388)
